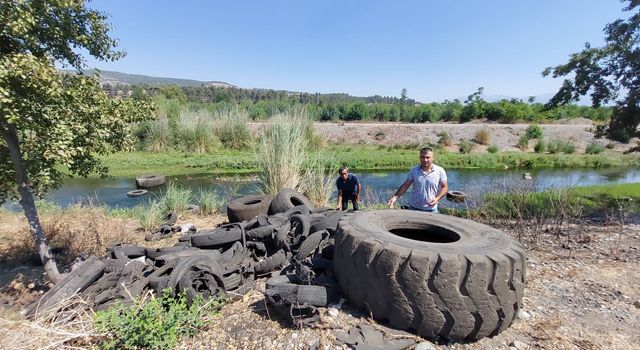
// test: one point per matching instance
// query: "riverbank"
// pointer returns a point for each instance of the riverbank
(358, 157)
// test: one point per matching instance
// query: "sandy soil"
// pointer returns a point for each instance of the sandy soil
(505, 137)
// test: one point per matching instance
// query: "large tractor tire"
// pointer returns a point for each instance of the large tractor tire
(439, 275)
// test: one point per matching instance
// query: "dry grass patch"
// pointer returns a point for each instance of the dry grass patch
(87, 231)
(482, 137)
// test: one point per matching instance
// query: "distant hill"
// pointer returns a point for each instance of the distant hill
(118, 78)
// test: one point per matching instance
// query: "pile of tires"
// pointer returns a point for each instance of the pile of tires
(439, 275)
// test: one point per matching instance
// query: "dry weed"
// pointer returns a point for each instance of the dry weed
(76, 231)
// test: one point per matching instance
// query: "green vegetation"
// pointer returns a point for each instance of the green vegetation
(176, 198)
(209, 202)
(358, 157)
(540, 146)
(51, 120)
(607, 74)
(594, 148)
(152, 323)
(465, 147)
(492, 149)
(523, 142)
(283, 151)
(534, 131)
(561, 146)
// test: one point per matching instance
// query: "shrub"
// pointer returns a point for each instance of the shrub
(444, 138)
(152, 322)
(482, 137)
(540, 146)
(465, 147)
(620, 135)
(560, 146)
(610, 145)
(534, 131)
(523, 143)
(492, 149)
(594, 148)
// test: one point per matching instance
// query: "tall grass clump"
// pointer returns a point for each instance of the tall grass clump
(176, 198)
(492, 149)
(523, 142)
(230, 126)
(482, 137)
(194, 132)
(158, 137)
(317, 180)
(561, 146)
(283, 151)
(540, 146)
(444, 139)
(209, 201)
(594, 148)
(149, 215)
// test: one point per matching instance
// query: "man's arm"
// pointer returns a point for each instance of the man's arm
(444, 188)
(403, 188)
(339, 206)
(358, 190)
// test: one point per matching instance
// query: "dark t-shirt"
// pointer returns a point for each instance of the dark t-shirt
(348, 187)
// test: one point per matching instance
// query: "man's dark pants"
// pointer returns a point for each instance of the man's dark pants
(349, 197)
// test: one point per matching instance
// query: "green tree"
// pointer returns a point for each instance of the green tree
(610, 73)
(51, 121)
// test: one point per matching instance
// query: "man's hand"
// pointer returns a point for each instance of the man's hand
(433, 202)
(392, 201)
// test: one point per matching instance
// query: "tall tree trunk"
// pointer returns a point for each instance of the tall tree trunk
(10, 135)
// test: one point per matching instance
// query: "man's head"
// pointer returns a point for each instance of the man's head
(344, 172)
(426, 157)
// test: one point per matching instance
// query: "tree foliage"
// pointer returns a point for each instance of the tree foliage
(610, 73)
(52, 122)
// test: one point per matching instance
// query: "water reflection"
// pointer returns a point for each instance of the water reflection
(377, 186)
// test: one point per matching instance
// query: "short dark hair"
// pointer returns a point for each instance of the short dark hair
(426, 150)
(343, 168)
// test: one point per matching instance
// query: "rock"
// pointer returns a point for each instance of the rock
(637, 304)
(333, 312)
(519, 345)
(523, 315)
(425, 346)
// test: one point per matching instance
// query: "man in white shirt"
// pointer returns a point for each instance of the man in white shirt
(429, 184)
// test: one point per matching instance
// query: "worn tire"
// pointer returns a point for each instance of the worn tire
(286, 199)
(248, 207)
(216, 237)
(137, 193)
(462, 280)
(456, 196)
(150, 180)
(310, 244)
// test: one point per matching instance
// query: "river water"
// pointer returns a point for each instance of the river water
(377, 185)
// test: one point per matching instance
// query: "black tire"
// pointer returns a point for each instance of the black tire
(287, 199)
(150, 180)
(216, 237)
(456, 196)
(75, 282)
(170, 218)
(137, 193)
(299, 225)
(273, 262)
(309, 245)
(248, 207)
(461, 280)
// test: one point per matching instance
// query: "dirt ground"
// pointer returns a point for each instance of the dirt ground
(582, 292)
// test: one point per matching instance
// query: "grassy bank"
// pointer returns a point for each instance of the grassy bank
(357, 157)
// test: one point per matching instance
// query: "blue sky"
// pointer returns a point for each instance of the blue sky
(435, 49)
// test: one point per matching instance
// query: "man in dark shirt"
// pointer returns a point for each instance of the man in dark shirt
(348, 189)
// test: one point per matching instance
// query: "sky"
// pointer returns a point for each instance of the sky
(436, 50)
